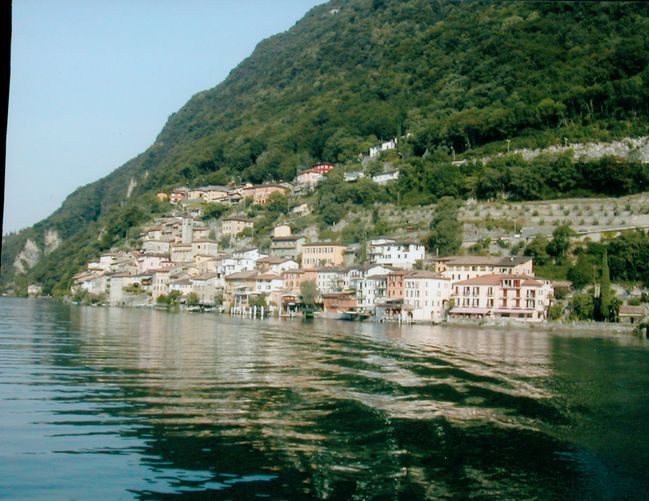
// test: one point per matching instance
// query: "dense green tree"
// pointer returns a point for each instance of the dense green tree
(560, 243)
(193, 299)
(582, 273)
(445, 237)
(582, 307)
(537, 248)
(309, 292)
(605, 289)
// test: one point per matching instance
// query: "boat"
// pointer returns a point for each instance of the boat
(354, 314)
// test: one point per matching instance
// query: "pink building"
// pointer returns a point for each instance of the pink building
(520, 297)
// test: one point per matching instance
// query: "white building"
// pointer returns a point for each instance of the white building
(426, 297)
(245, 260)
(398, 254)
(276, 264)
(371, 291)
(350, 177)
(330, 280)
(386, 177)
(375, 151)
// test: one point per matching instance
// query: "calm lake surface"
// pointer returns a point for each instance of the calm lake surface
(104, 403)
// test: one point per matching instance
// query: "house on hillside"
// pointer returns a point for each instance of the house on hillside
(350, 177)
(320, 254)
(309, 178)
(260, 193)
(375, 151)
(287, 246)
(178, 195)
(386, 177)
(233, 225)
(398, 254)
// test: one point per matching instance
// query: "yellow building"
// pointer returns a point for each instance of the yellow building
(319, 254)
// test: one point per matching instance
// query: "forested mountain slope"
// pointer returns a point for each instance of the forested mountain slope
(460, 74)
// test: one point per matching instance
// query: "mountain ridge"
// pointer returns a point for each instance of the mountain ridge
(460, 74)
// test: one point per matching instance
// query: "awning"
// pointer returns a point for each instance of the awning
(469, 311)
(514, 311)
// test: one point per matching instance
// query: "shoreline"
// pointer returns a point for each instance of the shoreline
(552, 326)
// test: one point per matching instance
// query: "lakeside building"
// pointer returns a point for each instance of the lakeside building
(371, 291)
(426, 297)
(520, 297)
(293, 279)
(330, 280)
(207, 287)
(334, 304)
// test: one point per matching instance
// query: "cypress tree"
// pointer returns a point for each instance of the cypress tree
(605, 289)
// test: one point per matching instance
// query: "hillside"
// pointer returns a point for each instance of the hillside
(460, 77)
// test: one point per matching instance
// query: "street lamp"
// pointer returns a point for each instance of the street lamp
(453, 152)
(508, 141)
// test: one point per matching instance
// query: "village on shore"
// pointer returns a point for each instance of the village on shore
(179, 263)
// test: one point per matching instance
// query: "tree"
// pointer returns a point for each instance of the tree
(309, 292)
(582, 272)
(445, 235)
(605, 290)
(558, 247)
(582, 307)
(193, 299)
(213, 210)
(537, 249)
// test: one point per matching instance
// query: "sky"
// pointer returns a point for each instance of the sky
(94, 81)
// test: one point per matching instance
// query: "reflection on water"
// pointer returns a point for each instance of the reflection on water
(120, 403)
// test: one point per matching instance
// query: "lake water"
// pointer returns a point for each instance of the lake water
(103, 403)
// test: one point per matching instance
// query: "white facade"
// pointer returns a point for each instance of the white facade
(426, 297)
(353, 176)
(397, 254)
(386, 177)
(375, 151)
(371, 291)
(330, 280)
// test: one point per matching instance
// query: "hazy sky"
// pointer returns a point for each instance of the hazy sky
(94, 81)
